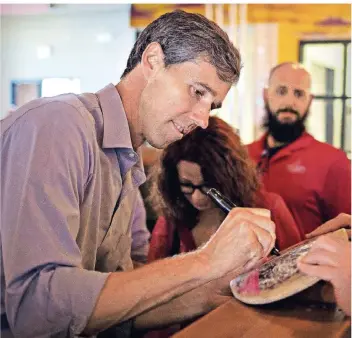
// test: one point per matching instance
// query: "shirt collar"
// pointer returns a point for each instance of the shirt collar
(301, 142)
(116, 132)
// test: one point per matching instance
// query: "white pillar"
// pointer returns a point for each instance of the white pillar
(219, 15)
(209, 12)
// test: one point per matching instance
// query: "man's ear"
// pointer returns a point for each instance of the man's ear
(152, 60)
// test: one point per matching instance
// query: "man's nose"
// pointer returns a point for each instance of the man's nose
(291, 100)
(200, 115)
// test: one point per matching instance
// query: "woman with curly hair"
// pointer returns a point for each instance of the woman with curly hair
(212, 157)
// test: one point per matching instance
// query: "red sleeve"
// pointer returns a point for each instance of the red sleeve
(161, 240)
(287, 232)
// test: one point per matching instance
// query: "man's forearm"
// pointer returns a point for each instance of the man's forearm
(185, 307)
(190, 305)
(127, 294)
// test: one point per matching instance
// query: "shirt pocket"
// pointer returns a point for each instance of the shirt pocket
(114, 253)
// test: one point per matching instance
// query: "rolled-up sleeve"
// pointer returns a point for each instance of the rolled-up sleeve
(45, 166)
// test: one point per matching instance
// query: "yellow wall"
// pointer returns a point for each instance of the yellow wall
(288, 43)
(296, 22)
(290, 35)
(297, 14)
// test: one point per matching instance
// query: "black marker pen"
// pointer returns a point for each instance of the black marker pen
(226, 205)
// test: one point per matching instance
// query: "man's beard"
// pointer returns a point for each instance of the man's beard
(285, 132)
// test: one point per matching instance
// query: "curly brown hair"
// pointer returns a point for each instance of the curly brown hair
(225, 165)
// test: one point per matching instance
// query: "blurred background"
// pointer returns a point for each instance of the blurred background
(49, 49)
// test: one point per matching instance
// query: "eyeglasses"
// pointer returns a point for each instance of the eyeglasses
(188, 188)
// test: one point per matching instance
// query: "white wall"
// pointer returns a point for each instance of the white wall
(75, 50)
(243, 108)
(77, 54)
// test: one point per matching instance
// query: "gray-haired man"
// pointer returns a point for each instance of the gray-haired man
(69, 182)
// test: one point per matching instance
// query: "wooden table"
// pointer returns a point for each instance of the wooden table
(295, 317)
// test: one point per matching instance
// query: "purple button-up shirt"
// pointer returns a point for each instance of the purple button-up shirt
(69, 202)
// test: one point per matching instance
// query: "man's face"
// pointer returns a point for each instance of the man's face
(288, 95)
(177, 99)
(287, 101)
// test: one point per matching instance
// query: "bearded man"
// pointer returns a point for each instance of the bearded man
(313, 178)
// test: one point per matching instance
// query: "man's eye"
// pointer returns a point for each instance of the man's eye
(199, 93)
(299, 94)
(282, 91)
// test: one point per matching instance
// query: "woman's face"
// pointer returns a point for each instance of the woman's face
(191, 180)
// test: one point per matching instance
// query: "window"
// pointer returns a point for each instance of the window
(329, 63)
(23, 91)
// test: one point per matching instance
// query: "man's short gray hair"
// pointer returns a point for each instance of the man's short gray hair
(186, 37)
